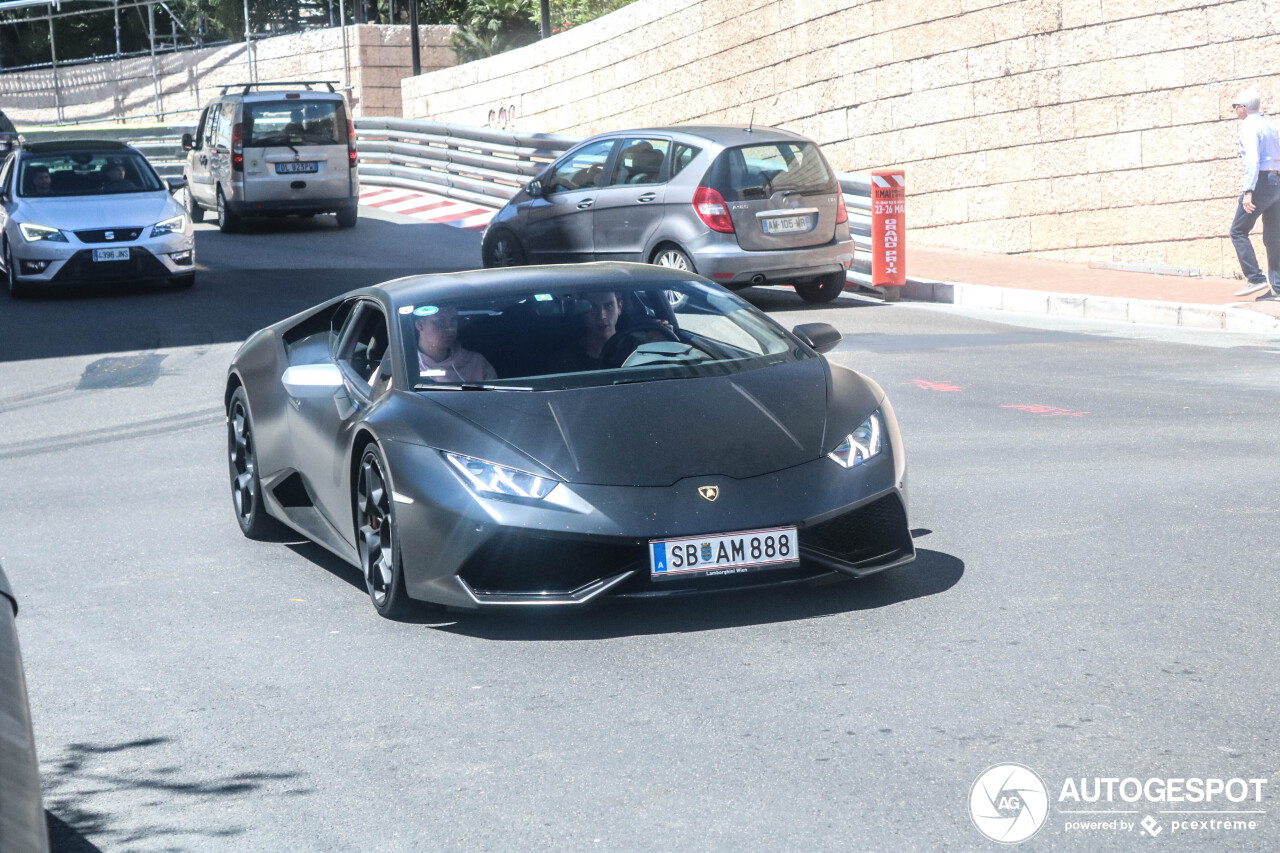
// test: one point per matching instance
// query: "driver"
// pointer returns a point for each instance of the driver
(115, 178)
(598, 325)
(441, 358)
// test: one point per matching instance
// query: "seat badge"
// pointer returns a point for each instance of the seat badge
(709, 492)
(110, 235)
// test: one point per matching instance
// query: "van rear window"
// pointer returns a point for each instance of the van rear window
(759, 171)
(294, 123)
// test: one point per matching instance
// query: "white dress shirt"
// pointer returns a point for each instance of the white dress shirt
(1259, 148)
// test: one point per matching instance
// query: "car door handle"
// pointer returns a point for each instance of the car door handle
(647, 197)
(585, 203)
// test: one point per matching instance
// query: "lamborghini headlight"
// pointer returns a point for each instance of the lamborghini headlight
(488, 478)
(169, 226)
(861, 444)
(33, 233)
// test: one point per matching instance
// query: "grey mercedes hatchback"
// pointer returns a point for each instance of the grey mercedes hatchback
(740, 206)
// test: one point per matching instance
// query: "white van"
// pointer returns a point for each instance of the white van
(273, 149)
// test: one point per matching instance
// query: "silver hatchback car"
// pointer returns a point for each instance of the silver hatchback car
(90, 211)
(740, 206)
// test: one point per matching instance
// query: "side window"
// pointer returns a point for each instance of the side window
(5, 174)
(681, 155)
(201, 128)
(365, 346)
(225, 121)
(640, 162)
(585, 168)
(211, 126)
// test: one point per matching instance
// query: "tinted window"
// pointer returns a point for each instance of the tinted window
(759, 171)
(365, 347)
(681, 157)
(584, 168)
(562, 338)
(640, 162)
(78, 173)
(295, 122)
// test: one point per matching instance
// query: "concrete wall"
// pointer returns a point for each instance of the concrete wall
(1070, 129)
(378, 58)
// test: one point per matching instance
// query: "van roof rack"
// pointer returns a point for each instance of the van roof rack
(246, 88)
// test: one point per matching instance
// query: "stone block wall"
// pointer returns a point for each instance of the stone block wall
(1080, 130)
(375, 59)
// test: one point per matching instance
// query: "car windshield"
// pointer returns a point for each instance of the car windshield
(81, 173)
(559, 338)
(759, 171)
(293, 123)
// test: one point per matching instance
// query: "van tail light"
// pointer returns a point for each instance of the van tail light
(351, 143)
(237, 147)
(711, 209)
(842, 212)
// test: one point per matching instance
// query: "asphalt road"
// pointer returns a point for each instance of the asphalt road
(1094, 597)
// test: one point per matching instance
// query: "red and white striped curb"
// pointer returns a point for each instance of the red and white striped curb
(436, 209)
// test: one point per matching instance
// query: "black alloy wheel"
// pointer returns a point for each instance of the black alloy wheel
(246, 487)
(228, 222)
(824, 289)
(502, 249)
(376, 537)
(194, 210)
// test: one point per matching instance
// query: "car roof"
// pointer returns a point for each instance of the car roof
(56, 146)
(726, 135)
(558, 278)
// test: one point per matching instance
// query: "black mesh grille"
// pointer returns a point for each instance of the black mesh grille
(514, 563)
(82, 267)
(869, 531)
(117, 235)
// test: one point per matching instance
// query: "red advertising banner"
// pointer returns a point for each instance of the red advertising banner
(888, 228)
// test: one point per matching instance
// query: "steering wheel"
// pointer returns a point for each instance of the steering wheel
(617, 349)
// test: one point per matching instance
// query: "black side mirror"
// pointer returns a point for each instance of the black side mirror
(187, 142)
(820, 337)
(534, 188)
(175, 184)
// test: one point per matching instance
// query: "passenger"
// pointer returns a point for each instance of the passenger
(598, 325)
(440, 358)
(39, 181)
(116, 179)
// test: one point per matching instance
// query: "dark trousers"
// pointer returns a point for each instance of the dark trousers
(1266, 204)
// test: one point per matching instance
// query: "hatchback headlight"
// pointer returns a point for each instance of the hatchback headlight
(488, 478)
(861, 444)
(33, 233)
(169, 226)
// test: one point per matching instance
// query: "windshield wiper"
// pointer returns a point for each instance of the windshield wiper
(467, 386)
(272, 139)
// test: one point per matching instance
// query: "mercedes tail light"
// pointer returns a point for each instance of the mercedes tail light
(711, 209)
(842, 212)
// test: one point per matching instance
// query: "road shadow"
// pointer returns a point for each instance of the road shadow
(330, 562)
(90, 782)
(932, 573)
(243, 283)
(783, 300)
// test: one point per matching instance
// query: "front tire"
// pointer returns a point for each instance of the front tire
(16, 290)
(246, 487)
(502, 249)
(228, 222)
(824, 289)
(377, 539)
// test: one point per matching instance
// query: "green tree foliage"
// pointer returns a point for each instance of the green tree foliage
(571, 13)
(494, 26)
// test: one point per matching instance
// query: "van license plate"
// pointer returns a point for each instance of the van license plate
(296, 168)
(111, 254)
(786, 224)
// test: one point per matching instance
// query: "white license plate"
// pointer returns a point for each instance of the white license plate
(786, 224)
(296, 168)
(724, 554)
(111, 254)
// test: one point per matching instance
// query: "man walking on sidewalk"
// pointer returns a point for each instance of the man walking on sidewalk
(1260, 150)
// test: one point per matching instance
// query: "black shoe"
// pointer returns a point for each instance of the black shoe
(1268, 297)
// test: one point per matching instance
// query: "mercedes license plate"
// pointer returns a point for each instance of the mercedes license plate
(297, 168)
(724, 554)
(786, 224)
(111, 254)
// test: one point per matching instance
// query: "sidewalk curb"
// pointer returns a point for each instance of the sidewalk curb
(1116, 308)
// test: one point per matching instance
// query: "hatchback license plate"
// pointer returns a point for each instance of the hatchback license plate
(786, 224)
(111, 254)
(724, 554)
(297, 168)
